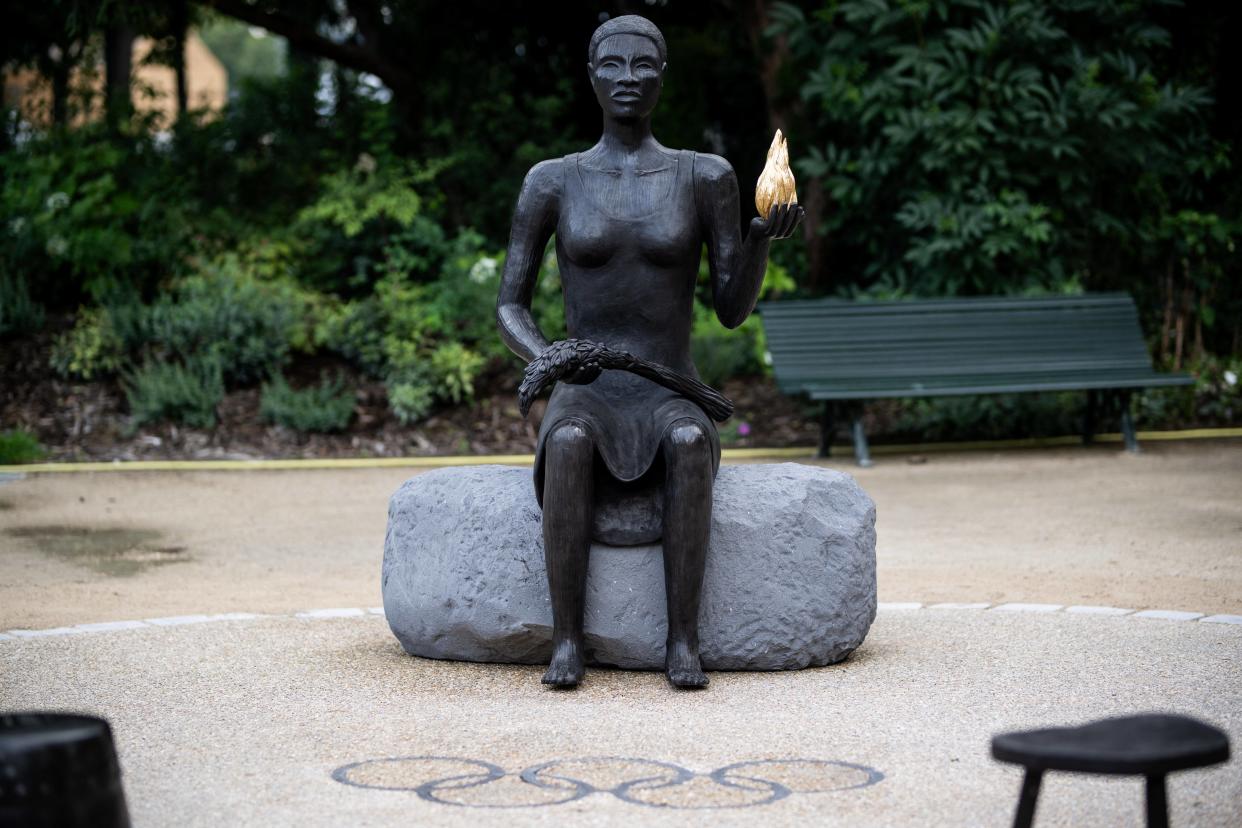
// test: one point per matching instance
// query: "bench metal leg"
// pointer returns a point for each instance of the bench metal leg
(1157, 803)
(1089, 418)
(1127, 424)
(862, 454)
(1026, 799)
(827, 430)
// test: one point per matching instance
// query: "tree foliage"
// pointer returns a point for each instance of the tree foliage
(980, 146)
(354, 196)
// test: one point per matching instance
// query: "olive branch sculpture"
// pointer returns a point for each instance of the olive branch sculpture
(565, 358)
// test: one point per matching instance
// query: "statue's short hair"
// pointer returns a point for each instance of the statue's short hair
(628, 24)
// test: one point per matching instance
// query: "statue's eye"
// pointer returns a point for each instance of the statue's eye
(610, 63)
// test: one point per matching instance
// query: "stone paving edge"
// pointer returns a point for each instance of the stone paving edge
(1176, 616)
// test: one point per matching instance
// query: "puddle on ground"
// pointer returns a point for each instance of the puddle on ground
(5, 506)
(119, 553)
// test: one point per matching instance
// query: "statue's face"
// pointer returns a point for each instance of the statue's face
(626, 75)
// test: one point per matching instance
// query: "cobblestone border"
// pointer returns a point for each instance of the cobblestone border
(362, 612)
(1073, 609)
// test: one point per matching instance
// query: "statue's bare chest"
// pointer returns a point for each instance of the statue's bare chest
(610, 214)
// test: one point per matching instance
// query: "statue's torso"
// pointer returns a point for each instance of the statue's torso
(628, 246)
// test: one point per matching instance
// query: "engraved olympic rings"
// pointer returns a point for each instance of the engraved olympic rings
(473, 783)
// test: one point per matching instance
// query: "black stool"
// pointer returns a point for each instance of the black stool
(1150, 745)
(59, 770)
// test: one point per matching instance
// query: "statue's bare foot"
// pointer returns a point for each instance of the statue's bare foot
(681, 665)
(567, 667)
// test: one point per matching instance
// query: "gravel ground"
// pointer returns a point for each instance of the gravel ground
(245, 722)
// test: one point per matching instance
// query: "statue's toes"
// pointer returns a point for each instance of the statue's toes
(563, 675)
(689, 678)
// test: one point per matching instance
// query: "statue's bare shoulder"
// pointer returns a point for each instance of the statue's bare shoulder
(542, 187)
(713, 175)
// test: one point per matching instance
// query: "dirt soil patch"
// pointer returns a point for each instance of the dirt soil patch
(79, 421)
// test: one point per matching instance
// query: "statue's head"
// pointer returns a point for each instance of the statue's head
(627, 60)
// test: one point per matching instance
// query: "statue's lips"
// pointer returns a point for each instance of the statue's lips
(625, 96)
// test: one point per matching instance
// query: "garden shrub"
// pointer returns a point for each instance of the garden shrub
(427, 341)
(185, 392)
(410, 397)
(720, 353)
(18, 446)
(19, 313)
(325, 407)
(92, 213)
(245, 325)
(454, 368)
(371, 220)
(91, 349)
(355, 330)
(991, 417)
(1214, 399)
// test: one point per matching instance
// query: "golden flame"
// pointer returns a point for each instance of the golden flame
(776, 182)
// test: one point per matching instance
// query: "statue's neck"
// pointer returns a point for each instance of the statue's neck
(626, 137)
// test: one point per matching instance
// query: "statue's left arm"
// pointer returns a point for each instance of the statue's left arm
(737, 265)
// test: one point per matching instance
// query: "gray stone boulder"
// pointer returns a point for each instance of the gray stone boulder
(790, 578)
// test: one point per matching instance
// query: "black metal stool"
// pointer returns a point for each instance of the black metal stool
(1151, 745)
(59, 770)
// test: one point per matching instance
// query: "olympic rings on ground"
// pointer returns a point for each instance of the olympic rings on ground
(473, 783)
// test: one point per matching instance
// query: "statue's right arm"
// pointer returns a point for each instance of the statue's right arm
(534, 221)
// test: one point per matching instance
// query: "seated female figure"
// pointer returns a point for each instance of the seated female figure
(630, 219)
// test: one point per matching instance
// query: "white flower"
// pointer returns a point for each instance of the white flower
(366, 163)
(57, 246)
(484, 270)
(17, 225)
(57, 201)
(1231, 378)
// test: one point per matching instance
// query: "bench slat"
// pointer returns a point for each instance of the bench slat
(981, 385)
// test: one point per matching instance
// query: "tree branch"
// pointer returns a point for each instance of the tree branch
(304, 37)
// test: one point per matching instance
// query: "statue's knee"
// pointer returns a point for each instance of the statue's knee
(687, 436)
(569, 439)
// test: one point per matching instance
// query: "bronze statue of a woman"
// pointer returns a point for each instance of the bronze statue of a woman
(630, 218)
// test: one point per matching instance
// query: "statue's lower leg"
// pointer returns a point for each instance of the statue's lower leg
(568, 495)
(687, 525)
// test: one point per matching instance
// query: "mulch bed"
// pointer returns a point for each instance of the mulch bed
(88, 421)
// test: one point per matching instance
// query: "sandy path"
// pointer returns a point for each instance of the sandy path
(243, 723)
(1091, 526)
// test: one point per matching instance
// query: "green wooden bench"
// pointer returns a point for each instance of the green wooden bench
(845, 352)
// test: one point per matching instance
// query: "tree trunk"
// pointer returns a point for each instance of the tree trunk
(180, 20)
(1186, 306)
(813, 202)
(60, 90)
(118, 67)
(303, 74)
(1166, 329)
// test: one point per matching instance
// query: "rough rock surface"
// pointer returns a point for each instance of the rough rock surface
(790, 578)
